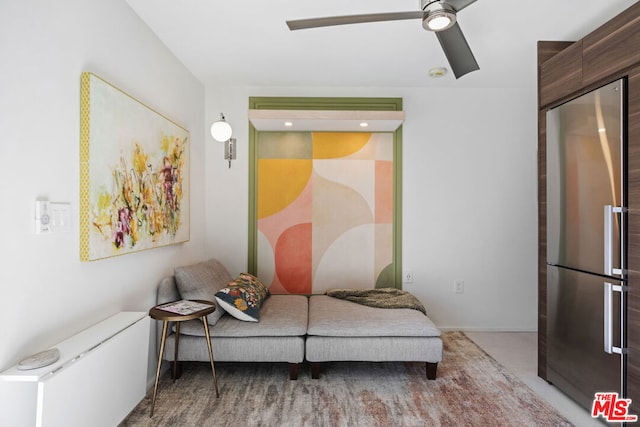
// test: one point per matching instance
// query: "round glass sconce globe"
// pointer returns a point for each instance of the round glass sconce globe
(221, 131)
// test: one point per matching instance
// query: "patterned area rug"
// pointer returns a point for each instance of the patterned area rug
(471, 389)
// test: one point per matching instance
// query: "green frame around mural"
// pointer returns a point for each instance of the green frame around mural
(337, 104)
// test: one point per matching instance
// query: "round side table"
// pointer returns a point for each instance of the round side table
(158, 313)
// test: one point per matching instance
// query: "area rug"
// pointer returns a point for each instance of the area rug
(471, 389)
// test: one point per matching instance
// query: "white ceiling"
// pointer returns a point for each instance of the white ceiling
(246, 42)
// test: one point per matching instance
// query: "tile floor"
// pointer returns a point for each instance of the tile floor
(517, 351)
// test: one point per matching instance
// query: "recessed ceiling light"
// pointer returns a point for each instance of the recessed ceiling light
(288, 124)
(364, 124)
(437, 72)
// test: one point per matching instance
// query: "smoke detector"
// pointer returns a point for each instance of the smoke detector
(437, 72)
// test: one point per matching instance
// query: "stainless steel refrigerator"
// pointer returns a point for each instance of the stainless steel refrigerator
(586, 254)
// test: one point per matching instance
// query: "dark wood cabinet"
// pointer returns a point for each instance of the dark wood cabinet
(612, 47)
(567, 70)
(633, 243)
(561, 75)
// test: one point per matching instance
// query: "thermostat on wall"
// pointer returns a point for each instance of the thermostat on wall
(42, 216)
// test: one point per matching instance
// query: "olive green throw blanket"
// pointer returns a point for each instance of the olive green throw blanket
(380, 298)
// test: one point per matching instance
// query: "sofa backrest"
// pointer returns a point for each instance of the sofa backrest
(199, 281)
(167, 290)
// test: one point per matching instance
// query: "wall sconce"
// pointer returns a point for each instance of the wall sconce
(221, 131)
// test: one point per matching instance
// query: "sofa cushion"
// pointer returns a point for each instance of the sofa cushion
(280, 315)
(373, 349)
(202, 281)
(333, 317)
(243, 297)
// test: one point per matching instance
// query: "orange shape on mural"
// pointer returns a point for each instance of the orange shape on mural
(293, 259)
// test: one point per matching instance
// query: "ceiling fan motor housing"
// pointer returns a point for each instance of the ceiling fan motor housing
(439, 16)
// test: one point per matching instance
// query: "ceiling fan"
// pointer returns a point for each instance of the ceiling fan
(437, 16)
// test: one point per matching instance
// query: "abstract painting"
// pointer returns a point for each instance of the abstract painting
(134, 174)
(324, 210)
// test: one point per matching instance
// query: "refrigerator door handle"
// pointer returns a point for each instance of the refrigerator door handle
(609, 288)
(608, 250)
(609, 212)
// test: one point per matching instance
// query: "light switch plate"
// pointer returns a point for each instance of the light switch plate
(60, 220)
(42, 211)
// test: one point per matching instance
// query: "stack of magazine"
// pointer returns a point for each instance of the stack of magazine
(184, 307)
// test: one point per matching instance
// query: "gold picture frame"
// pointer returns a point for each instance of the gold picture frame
(134, 174)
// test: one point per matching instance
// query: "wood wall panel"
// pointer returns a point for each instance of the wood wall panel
(633, 240)
(633, 154)
(633, 331)
(549, 49)
(633, 344)
(542, 248)
(562, 74)
(612, 47)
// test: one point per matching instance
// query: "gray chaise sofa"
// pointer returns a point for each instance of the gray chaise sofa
(278, 337)
(341, 330)
(293, 328)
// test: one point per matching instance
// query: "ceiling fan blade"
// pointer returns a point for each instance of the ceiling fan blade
(458, 5)
(457, 51)
(301, 24)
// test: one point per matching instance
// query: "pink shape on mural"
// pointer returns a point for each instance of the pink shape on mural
(273, 226)
(384, 192)
(293, 259)
(299, 211)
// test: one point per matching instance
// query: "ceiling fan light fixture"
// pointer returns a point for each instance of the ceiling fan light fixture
(439, 17)
(439, 22)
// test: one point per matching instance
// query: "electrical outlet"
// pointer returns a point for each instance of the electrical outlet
(408, 277)
(458, 287)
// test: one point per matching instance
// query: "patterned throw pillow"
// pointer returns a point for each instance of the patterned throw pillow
(243, 297)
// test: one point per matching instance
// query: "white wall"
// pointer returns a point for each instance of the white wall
(470, 206)
(469, 197)
(47, 294)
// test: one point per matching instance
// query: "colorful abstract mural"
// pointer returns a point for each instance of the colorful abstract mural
(324, 210)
